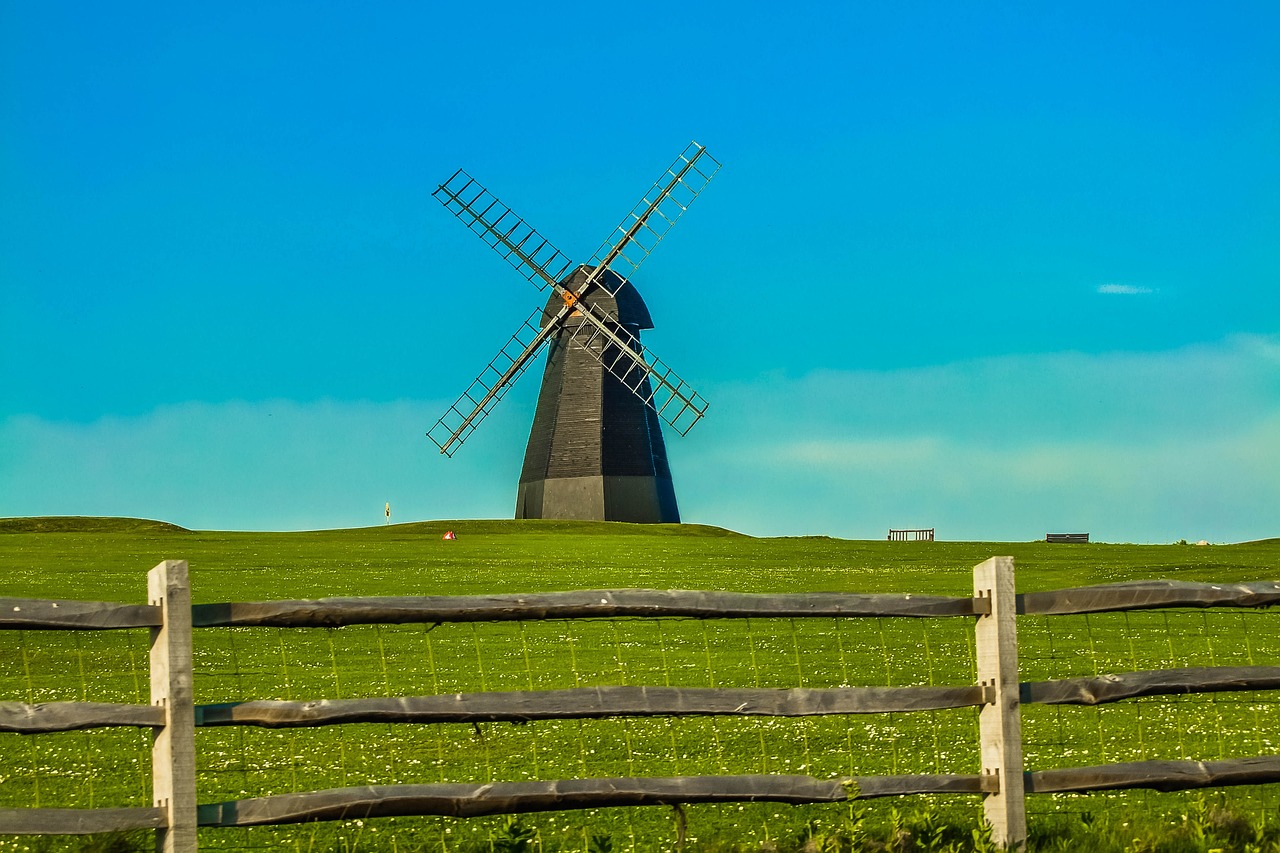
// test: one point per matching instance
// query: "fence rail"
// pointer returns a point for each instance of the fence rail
(592, 702)
(36, 613)
(580, 604)
(1003, 782)
(46, 717)
(1148, 595)
(81, 821)
(524, 797)
(30, 613)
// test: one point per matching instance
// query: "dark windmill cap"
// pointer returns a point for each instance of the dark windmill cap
(625, 303)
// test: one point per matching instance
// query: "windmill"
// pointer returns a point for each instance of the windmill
(595, 449)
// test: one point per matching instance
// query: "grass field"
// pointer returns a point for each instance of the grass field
(108, 560)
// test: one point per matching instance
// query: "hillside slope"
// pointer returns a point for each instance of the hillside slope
(86, 524)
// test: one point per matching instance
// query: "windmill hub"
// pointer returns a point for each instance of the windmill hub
(596, 449)
(615, 300)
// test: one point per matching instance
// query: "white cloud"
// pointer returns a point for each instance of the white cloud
(1129, 446)
(1125, 488)
(273, 465)
(1015, 400)
(1126, 289)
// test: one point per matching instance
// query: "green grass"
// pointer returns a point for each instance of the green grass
(107, 559)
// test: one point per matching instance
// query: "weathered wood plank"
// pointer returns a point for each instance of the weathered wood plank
(869, 787)
(47, 614)
(460, 800)
(589, 702)
(45, 717)
(1157, 775)
(1147, 595)
(333, 612)
(1101, 689)
(78, 821)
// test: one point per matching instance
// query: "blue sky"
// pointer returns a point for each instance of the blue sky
(995, 268)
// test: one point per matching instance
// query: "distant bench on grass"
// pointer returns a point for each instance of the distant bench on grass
(1077, 538)
(911, 535)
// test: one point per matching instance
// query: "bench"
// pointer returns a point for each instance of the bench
(1077, 538)
(911, 535)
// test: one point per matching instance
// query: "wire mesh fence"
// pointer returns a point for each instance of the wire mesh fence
(1192, 726)
(94, 768)
(110, 767)
(365, 661)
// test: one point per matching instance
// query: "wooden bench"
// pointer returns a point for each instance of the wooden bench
(1077, 538)
(911, 535)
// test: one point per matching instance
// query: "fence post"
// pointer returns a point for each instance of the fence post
(173, 748)
(1000, 722)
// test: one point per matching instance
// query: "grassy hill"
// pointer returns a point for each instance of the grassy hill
(86, 524)
(107, 558)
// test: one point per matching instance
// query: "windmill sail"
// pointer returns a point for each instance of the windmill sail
(488, 388)
(653, 216)
(619, 351)
(607, 341)
(642, 372)
(503, 230)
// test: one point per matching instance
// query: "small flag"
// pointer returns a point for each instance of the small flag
(449, 535)
(388, 509)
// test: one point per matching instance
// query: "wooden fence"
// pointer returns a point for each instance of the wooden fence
(1003, 782)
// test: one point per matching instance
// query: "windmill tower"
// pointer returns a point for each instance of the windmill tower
(595, 449)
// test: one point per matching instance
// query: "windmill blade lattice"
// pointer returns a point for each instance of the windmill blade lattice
(488, 388)
(535, 258)
(620, 352)
(644, 374)
(503, 230)
(540, 262)
(653, 216)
